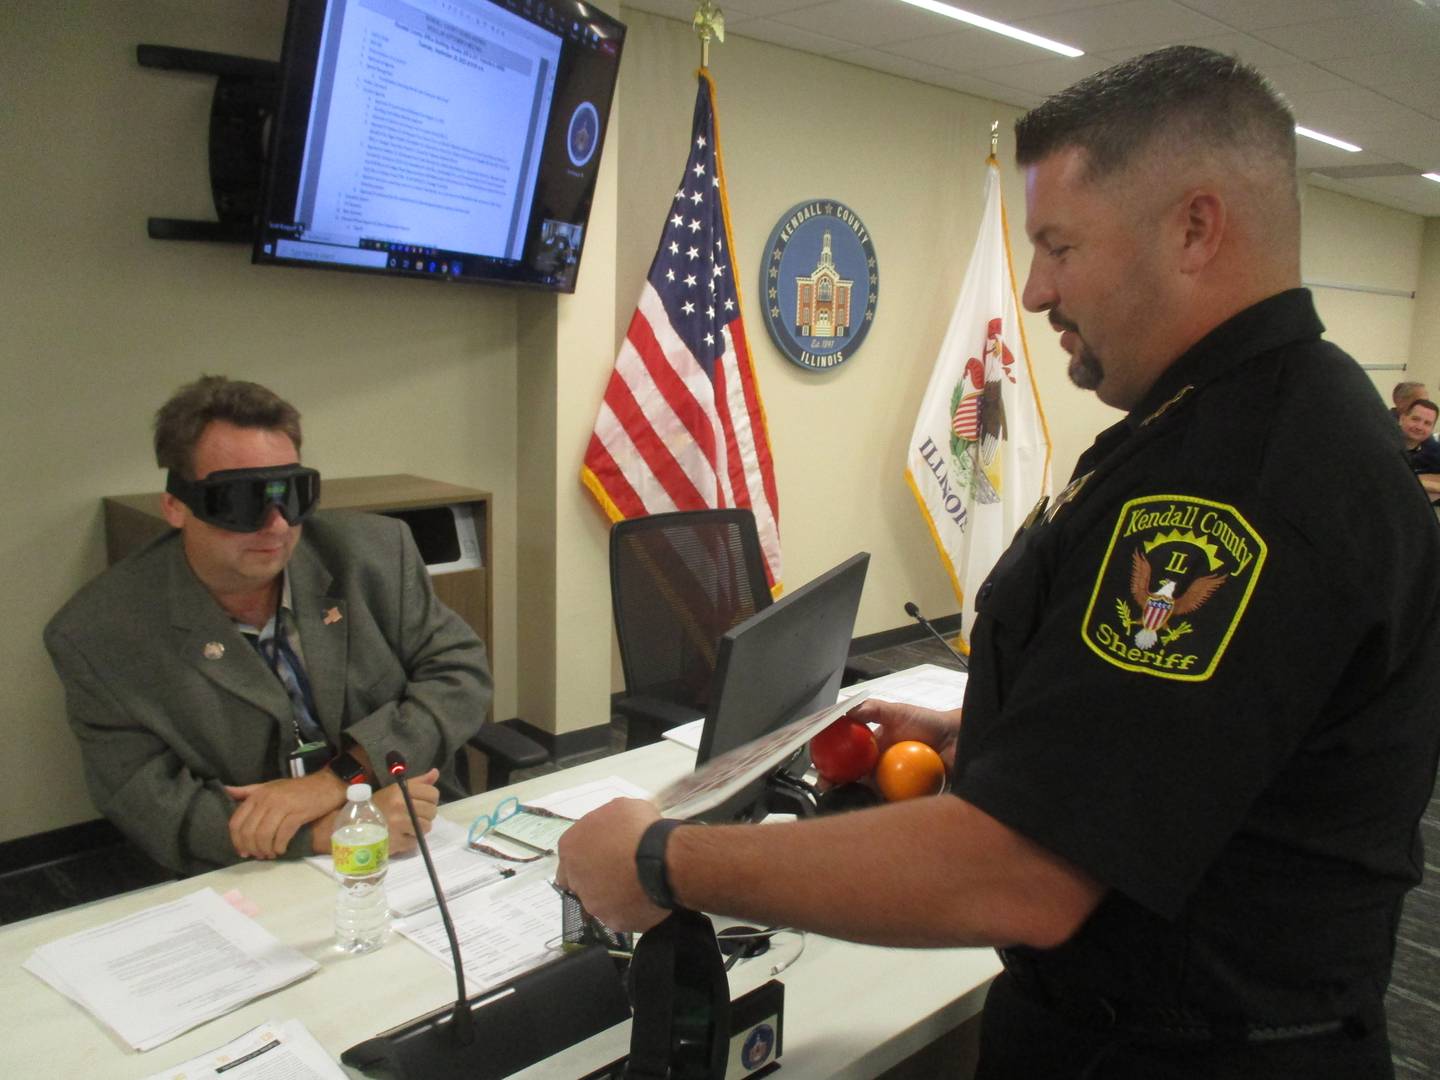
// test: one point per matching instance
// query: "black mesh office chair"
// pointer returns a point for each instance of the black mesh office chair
(678, 582)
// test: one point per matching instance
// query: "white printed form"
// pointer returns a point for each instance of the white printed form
(272, 1051)
(929, 685)
(165, 970)
(435, 87)
(503, 931)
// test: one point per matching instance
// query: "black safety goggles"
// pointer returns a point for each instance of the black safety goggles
(239, 500)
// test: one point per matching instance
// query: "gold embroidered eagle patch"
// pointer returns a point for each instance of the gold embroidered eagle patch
(1173, 586)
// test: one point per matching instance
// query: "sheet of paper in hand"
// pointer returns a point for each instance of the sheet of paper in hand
(718, 779)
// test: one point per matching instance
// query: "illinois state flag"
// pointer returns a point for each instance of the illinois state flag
(681, 426)
(979, 457)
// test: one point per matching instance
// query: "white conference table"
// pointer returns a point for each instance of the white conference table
(851, 1011)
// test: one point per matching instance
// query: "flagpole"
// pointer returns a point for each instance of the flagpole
(709, 21)
(994, 140)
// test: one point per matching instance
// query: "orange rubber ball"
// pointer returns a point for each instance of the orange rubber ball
(910, 770)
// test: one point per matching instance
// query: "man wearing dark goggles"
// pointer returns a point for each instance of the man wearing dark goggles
(229, 681)
(240, 500)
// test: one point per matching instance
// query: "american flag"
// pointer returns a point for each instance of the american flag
(681, 426)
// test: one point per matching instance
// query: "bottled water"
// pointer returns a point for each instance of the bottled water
(360, 846)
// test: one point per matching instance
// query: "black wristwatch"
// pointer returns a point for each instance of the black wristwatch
(650, 863)
(347, 768)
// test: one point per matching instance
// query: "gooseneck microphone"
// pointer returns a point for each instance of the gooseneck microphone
(557, 1004)
(462, 1024)
(914, 613)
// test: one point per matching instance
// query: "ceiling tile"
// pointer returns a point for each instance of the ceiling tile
(1356, 110)
(1390, 69)
(1046, 77)
(681, 10)
(1249, 49)
(1402, 193)
(1423, 97)
(1364, 70)
(792, 37)
(1010, 11)
(1418, 145)
(866, 22)
(1310, 154)
(1119, 26)
(1250, 15)
(757, 8)
(1372, 35)
(1304, 78)
(967, 50)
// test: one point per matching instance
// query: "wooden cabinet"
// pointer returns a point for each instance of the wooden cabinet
(133, 520)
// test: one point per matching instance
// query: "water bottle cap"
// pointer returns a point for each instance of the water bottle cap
(358, 793)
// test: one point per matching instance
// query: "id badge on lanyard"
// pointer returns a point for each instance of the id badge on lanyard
(307, 758)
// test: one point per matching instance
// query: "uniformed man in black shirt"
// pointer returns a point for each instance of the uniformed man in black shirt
(1200, 728)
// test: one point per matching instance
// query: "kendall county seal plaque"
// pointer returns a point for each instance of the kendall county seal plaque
(819, 281)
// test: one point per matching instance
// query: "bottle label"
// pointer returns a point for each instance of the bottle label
(360, 859)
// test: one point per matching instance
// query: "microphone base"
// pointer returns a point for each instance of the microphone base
(515, 1025)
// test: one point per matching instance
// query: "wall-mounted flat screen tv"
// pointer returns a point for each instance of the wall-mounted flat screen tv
(455, 140)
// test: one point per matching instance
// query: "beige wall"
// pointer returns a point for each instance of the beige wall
(1425, 340)
(1347, 241)
(488, 387)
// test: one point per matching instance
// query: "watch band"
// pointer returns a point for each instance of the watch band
(346, 768)
(650, 862)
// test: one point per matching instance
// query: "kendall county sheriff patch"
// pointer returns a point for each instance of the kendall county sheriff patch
(1174, 585)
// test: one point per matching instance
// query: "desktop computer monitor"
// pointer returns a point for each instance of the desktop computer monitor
(780, 664)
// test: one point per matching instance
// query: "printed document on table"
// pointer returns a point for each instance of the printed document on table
(165, 970)
(575, 802)
(272, 1051)
(503, 932)
(930, 685)
(407, 885)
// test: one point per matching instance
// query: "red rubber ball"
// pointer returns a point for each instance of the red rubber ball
(844, 752)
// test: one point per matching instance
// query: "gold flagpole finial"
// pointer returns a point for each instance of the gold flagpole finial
(994, 138)
(709, 22)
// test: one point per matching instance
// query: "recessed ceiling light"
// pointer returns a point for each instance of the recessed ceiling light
(1328, 140)
(1432, 176)
(959, 14)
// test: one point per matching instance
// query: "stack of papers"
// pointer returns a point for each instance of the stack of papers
(272, 1051)
(930, 685)
(502, 932)
(165, 970)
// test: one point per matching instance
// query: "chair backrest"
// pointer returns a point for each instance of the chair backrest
(677, 582)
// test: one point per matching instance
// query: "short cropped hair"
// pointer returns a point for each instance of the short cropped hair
(1405, 391)
(1423, 403)
(1185, 94)
(181, 420)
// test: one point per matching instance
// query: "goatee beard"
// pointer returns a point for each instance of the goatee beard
(1084, 369)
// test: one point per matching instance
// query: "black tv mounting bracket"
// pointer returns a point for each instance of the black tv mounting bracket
(247, 92)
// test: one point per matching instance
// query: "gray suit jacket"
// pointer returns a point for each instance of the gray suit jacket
(170, 702)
